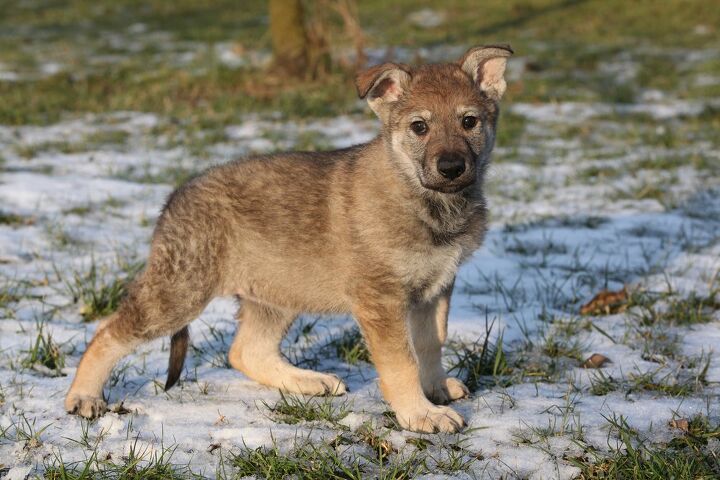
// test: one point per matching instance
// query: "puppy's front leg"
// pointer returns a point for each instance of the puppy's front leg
(384, 323)
(428, 324)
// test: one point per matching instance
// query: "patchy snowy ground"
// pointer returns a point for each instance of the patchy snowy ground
(584, 197)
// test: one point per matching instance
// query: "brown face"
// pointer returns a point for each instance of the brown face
(440, 119)
(443, 128)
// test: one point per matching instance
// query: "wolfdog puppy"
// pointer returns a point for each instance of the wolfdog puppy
(376, 230)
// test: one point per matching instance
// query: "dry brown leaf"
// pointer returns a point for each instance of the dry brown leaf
(596, 360)
(381, 446)
(213, 447)
(606, 303)
(681, 424)
(120, 409)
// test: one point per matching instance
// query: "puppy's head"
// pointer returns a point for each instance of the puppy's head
(440, 119)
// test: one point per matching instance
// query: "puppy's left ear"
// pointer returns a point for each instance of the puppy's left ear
(486, 66)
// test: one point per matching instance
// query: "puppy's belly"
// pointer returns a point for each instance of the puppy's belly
(302, 294)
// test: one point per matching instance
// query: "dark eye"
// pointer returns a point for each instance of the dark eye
(469, 122)
(419, 127)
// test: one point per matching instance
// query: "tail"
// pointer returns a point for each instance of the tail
(178, 349)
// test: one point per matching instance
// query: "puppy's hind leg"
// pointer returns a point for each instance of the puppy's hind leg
(256, 352)
(108, 347)
(154, 307)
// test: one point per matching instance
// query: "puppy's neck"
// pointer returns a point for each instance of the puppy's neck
(446, 215)
(449, 216)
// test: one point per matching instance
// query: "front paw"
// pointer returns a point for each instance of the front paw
(446, 390)
(85, 406)
(431, 419)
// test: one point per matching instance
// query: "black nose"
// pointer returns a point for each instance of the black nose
(451, 165)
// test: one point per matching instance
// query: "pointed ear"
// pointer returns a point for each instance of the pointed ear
(486, 66)
(382, 85)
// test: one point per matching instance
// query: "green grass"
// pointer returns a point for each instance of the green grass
(351, 347)
(546, 247)
(301, 459)
(679, 311)
(657, 342)
(576, 221)
(25, 431)
(224, 93)
(511, 128)
(293, 409)
(44, 352)
(547, 354)
(454, 460)
(14, 220)
(378, 442)
(642, 130)
(305, 460)
(688, 377)
(105, 137)
(80, 210)
(602, 384)
(478, 363)
(658, 189)
(667, 385)
(214, 346)
(604, 23)
(97, 295)
(557, 36)
(186, 19)
(312, 141)
(563, 423)
(62, 238)
(321, 461)
(687, 456)
(10, 292)
(107, 205)
(169, 175)
(30, 151)
(138, 464)
(93, 141)
(598, 174)
(693, 310)
(559, 346)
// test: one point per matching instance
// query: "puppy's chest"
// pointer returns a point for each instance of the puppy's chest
(426, 272)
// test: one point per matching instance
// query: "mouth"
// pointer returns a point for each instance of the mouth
(448, 188)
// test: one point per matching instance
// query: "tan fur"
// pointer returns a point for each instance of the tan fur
(377, 230)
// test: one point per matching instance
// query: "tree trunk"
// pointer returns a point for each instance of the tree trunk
(289, 38)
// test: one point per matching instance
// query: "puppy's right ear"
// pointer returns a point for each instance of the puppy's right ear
(383, 85)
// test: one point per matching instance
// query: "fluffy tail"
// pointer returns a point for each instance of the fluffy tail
(178, 349)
